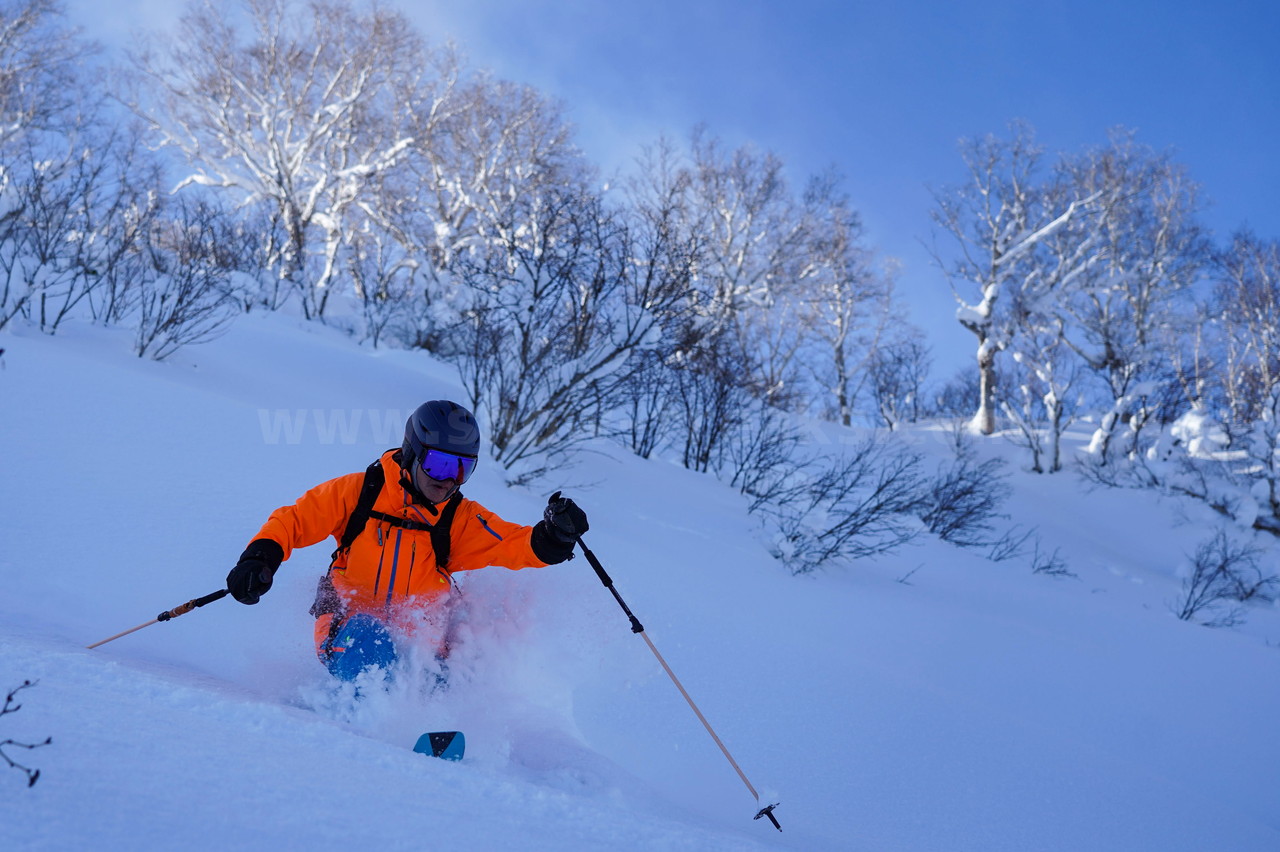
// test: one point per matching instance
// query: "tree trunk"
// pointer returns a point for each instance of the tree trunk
(984, 420)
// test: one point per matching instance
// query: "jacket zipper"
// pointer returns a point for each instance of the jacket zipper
(395, 562)
(382, 555)
(413, 560)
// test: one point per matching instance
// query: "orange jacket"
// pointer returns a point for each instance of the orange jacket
(389, 567)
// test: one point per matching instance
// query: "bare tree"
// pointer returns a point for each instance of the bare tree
(484, 150)
(701, 377)
(49, 174)
(193, 254)
(385, 280)
(1041, 402)
(1223, 575)
(561, 311)
(301, 116)
(962, 500)
(642, 405)
(655, 399)
(783, 297)
(710, 398)
(1154, 251)
(77, 200)
(753, 260)
(1246, 305)
(1245, 389)
(896, 373)
(484, 155)
(761, 452)
(1049, 563)
(847, 302)
(958, 396)
(998, 221)
(11, 706)
(1062, 263)
(1223, 446)
(130, 198)
(41, 56)
(831, 510)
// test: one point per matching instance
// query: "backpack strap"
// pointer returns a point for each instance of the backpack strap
(327, 599)
(397, 521)
(440, 531)
(374, 479)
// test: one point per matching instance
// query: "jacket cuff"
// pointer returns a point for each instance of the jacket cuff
(266, 550)
(547, 547)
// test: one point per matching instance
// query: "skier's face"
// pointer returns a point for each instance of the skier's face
(435, 490)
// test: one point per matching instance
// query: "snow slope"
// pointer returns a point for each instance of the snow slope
(928, 701)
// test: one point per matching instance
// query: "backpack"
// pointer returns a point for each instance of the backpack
(327, 599)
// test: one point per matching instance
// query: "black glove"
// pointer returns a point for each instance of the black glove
(565, 521)
(562, 522)
(251, 578)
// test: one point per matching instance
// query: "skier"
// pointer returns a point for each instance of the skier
(403, 529)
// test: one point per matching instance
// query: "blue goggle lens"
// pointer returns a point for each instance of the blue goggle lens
(440, 465)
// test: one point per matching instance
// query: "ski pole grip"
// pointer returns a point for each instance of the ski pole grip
(636, 626)
(595, 563)
(192, 604)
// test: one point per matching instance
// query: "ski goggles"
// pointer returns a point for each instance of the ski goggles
(440, 465)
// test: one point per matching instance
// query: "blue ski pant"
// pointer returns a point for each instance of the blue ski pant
(363, 642)
(360, 643)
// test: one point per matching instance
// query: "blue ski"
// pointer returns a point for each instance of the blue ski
(446, 745)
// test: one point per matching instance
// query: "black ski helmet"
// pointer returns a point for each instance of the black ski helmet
(442, 425)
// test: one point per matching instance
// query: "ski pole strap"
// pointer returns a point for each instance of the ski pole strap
(636, 626)
(192, 604)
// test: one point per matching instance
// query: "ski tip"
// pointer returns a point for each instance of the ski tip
(446, 745)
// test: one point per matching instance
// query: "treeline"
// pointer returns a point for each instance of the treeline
(327, 159)
(1097, 296)
(1096, 293)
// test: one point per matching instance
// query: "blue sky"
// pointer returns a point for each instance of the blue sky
(884, 91)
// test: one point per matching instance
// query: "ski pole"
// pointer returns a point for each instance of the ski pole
(637, 627)
(168, 614)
